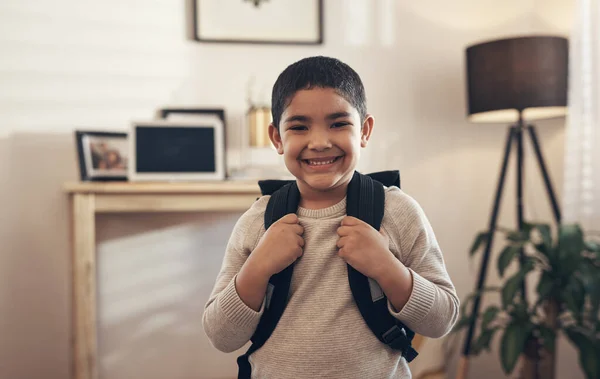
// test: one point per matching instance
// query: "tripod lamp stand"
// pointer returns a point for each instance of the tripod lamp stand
(514, 80)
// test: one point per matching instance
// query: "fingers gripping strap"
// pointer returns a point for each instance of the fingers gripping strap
(282, 202)
(366, 201)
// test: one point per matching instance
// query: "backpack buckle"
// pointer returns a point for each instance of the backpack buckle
(397, 339)
(392, 336)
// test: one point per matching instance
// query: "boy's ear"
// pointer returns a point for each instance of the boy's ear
(275, 138)
(367, 129)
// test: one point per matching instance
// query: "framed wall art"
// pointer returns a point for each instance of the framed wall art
(297, 22)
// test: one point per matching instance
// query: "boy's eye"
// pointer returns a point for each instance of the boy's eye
(297, 127)
(340, 124)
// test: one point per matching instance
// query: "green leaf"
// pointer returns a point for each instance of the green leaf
(512, 285)
(483, 341)
(545, 286)
(513, 344)
(577, 338)
(548, 337)
(588, 359)
(518, 235)
(578, 293)
(488, 316)
(510, 289)
(574, 296)
(473, 295)
(588, 353)
(570, 241)
(546, 234)
(506, 256)
(462, 323)
(545, 251)
(545, 246)
(592, 246)
(569, 264)
(527, 266)
(594, 294)
(481, 238)
(519, 313)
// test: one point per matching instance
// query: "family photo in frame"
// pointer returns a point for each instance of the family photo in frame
(102, 155)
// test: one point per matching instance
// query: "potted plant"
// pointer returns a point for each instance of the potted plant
(566, 267)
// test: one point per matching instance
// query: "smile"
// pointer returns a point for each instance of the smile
(320, 161)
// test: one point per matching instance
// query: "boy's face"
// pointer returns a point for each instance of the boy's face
(320, 136)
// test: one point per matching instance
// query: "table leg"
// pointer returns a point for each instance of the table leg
(84, 287)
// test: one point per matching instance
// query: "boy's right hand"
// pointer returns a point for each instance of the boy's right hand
(280, 246)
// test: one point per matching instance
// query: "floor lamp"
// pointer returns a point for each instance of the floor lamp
(514, 80)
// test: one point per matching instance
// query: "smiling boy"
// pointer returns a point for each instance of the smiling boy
(320, 124)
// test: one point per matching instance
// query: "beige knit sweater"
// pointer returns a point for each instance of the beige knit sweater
(321, 334)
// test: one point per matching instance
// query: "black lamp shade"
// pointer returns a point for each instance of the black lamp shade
(513, 77)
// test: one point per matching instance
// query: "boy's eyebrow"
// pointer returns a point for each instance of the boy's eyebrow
(331, 116)
(335, 115)
(297, 118)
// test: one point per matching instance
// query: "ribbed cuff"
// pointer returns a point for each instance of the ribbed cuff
(419, 303)
(236, 311)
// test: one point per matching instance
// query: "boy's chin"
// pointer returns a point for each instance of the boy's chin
(324, 183)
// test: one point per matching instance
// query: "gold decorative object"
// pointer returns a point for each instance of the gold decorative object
(259, 119)
(258, 160)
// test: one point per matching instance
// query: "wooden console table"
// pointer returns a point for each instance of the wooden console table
(89, 198)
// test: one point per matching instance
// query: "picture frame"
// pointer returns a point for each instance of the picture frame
(177, 150)
(183, 113)
(102, 155)
(284, 22)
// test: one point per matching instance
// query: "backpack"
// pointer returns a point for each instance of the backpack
(365, 201)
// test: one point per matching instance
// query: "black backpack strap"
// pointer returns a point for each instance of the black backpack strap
(366, 201)
(387, 178)
(285, 198)
(269, 186)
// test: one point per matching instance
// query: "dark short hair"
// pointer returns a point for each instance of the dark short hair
(319, 71)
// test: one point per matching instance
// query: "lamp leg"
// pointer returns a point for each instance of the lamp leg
(520, 217)
(540, 159)
(463, 364)
(546, 365)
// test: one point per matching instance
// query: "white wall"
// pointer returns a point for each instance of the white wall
(70, 64)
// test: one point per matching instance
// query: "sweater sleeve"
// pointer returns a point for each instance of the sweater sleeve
(433, 306)
(227, 321)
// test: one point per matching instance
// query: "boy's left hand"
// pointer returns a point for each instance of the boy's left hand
(363, 247)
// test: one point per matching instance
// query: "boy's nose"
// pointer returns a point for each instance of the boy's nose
(319, 140)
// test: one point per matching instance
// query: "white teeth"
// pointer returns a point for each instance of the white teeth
(320, 163)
